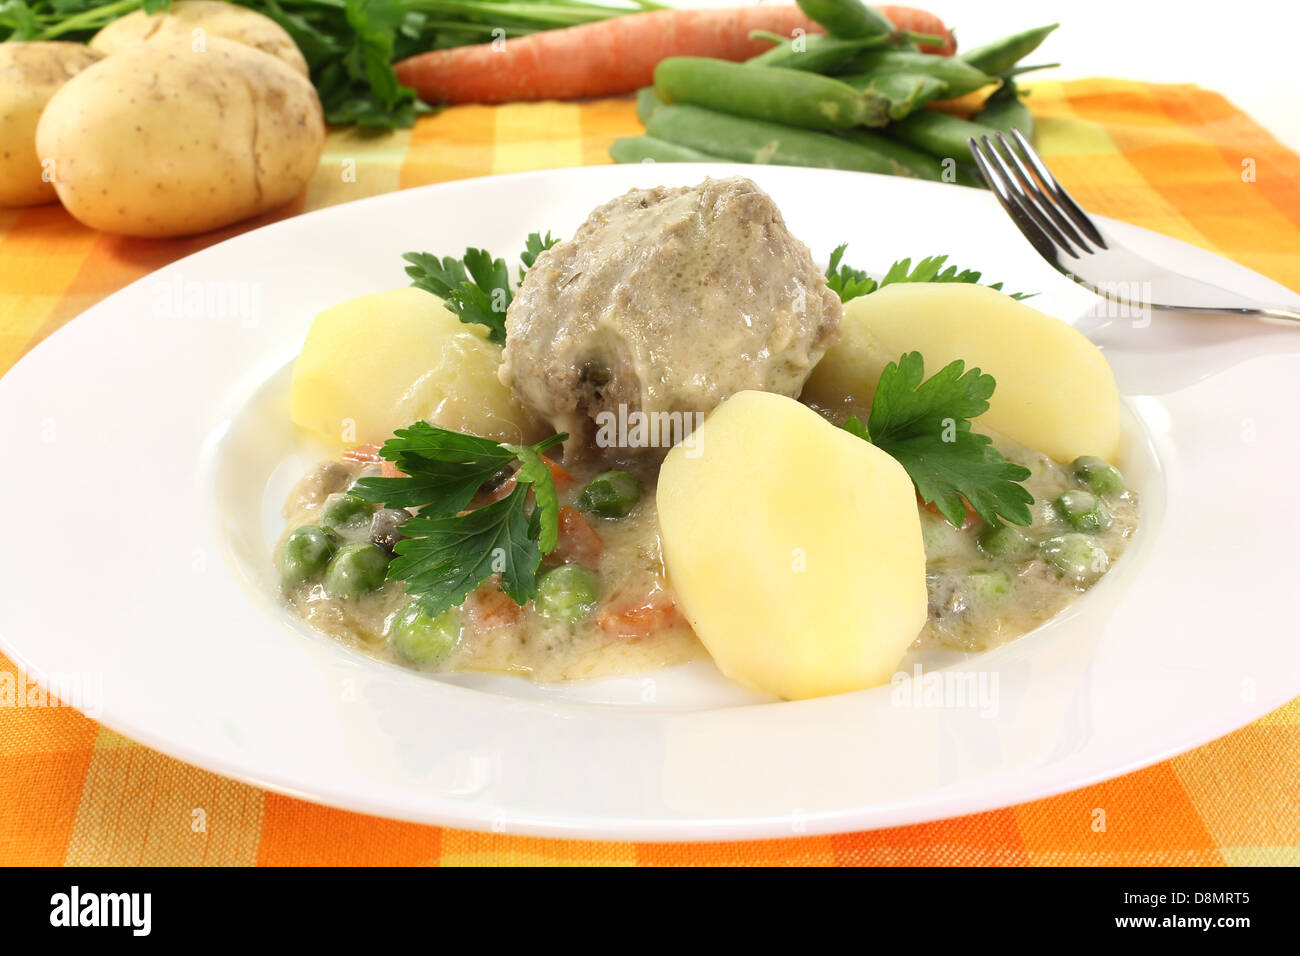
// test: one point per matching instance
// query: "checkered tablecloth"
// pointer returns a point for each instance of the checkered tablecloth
(1176, 159)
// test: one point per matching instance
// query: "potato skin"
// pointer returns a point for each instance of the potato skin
(160, 140)
(215, 18)
(31, 73)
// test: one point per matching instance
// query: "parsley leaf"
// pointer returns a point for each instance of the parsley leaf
(443, 558)
(925, 426)
(475, 287)
(447, 551)
(849, 283)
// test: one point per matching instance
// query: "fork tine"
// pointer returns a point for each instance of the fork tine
(1023, 199)
(1064, 199)
(1041, 200)
(1024, 222)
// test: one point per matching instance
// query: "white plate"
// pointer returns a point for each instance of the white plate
(148, 449)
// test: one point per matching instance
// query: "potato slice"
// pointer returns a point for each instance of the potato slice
(794, 548)
(847, 374)
(1055, 393)
(378, 363)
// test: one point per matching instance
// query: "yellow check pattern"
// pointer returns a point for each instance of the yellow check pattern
(1176, 159)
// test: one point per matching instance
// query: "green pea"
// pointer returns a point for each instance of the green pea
(1083, 511)
(989, 585)
(566, 594)
(423, 640)
(342, 513)
(1004, 541)
(304, 555)
(355, 570)
(611, 494)
(1075, 556)
(1099, 475)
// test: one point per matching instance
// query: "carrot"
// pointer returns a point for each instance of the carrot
(561, 477)
(641, 618)
(366, 453)
(579, 542)
(967, 523)
(614, 56)
(490, 608)
(388, 470)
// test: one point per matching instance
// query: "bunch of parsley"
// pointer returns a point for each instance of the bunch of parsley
(350, 45)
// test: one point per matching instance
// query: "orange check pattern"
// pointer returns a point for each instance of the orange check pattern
(1176, 159)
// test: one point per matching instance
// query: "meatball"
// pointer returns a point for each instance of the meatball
(665, 302)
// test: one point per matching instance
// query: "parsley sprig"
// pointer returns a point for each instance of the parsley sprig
(475, 287)
(849, 283)
(924, 424)
(448, 551)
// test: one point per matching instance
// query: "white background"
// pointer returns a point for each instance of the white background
(1243, 50)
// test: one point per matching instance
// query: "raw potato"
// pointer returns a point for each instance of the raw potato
(186, 17)
(1055, 390)
(30, 73)
(378, 363)
(160, 140)
(794, 548)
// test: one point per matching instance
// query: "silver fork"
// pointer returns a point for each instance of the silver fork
(1067, 238)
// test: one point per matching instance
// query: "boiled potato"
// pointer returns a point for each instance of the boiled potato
(30, 73)
(193, 21)
(1055, 391)
(378, 363)
(794, 548)
(161, 140)
(847, 374)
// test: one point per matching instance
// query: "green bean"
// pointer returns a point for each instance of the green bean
(817, 53)
(1001, 55)
(1004, 111)
(850, 19)
(778, 95)
(938, 134)
(960, 76)
(425, 641)
(906, 92)
(1083, 511)
(641, 149)
(611, 494)
(754, 141)
(304, 554)
(566, 594)
(646, 103)
(1099, 475)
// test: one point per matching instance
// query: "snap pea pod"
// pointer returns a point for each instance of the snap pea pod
(850, 19)
(960, 76)
(756, 141)
(646, 103)
(1004, 111)
(906, 91)
(816, 53)
(1002, 55)
(939, 134)
(641, 149)
(794, 97)
(921, 165)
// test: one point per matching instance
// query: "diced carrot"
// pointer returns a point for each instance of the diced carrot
(641, 618)
(579, 542)
(490, 608)
(561, 477)
(388, 470)
(618, 55)
(967, 523)
(366, 453)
